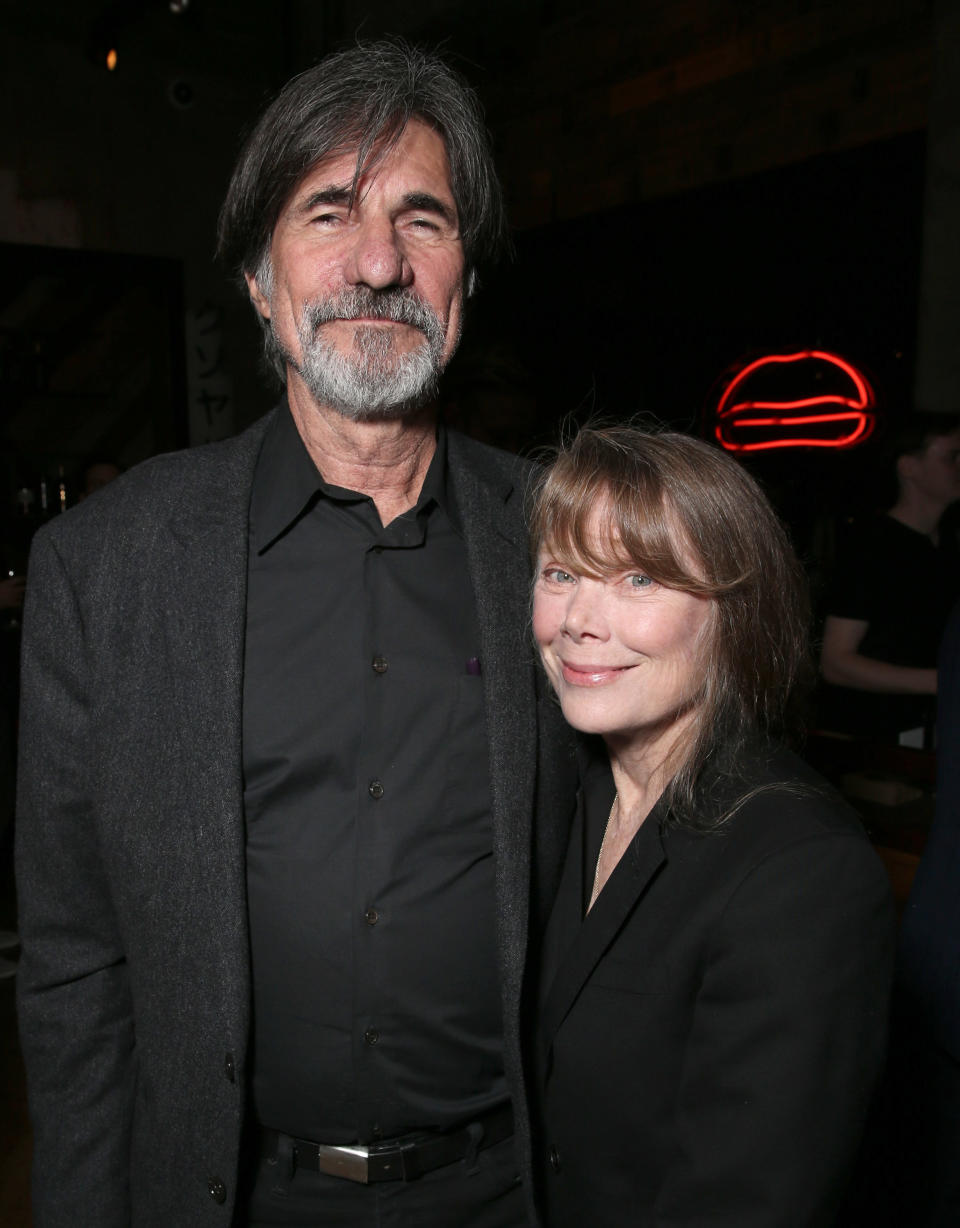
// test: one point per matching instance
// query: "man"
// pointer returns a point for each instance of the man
(893, 591)
(291, 806)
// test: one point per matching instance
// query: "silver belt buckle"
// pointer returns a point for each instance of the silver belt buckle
(353, 1163)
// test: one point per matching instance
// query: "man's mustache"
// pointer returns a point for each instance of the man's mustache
(397, 305)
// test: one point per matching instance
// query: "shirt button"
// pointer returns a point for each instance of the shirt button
(377, 1132)
(379, 665)
(371, 916)
(230, 1068)
(217, 1190)
(371, 1036)
(375, 789)
(554, 1157)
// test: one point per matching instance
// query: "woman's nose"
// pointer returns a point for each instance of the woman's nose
(585, 615)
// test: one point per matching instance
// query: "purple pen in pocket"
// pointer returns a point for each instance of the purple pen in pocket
(473, 666)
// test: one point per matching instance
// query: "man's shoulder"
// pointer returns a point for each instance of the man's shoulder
(491, 490)
(488, 461)
(171, 486)
(484, 476)
(175, 474)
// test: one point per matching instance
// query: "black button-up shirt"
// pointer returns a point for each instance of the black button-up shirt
(367, 798)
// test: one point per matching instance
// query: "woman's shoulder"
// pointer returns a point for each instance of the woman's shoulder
(785, 836)
(767, 796)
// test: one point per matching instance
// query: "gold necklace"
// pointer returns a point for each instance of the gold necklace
(603, 845)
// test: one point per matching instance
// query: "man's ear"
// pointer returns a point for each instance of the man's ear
(906, 467)
(257, 297)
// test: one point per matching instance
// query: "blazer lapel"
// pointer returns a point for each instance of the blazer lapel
(204, 586)
(488, 507)
(638, 867)
(566, 916)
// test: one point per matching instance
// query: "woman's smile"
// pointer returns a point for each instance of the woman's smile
(591, 675)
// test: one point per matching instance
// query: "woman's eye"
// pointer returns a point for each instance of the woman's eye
(639, 581)
(556, 575)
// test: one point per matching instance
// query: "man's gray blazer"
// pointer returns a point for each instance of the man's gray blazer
(134, 983)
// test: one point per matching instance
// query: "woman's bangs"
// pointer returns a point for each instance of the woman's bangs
(606, 531)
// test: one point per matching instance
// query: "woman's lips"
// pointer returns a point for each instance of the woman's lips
(591, 675)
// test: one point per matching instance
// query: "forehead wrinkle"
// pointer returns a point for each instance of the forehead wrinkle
(370, 153)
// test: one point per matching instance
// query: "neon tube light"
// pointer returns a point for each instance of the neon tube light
(748, 425)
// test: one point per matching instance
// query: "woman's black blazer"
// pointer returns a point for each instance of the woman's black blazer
(710, 1034)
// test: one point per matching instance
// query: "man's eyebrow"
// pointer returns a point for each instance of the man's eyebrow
(428, 203)
(336, 194)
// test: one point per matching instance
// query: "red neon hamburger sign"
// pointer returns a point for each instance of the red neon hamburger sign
(760, 409)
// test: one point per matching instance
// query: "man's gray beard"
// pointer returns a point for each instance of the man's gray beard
(373, 381)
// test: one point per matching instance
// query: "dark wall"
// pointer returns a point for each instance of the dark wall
(672, 168)
(643, 308)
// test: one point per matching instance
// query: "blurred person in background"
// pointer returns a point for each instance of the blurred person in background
(894, 585)
(96, 475)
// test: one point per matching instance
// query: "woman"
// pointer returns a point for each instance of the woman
(716, 967)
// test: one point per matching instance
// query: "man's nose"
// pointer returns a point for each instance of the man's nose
(377, 258)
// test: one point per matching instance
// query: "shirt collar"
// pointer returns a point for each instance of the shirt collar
(287, 483)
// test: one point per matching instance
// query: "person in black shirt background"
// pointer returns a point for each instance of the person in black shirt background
(283, 743)
(894, 586)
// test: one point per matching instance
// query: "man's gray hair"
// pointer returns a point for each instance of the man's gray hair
(362, 99)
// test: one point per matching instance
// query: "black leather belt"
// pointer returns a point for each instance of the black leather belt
(398, 1159)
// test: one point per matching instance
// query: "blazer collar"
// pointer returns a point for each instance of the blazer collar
(205, 587)
(203, 582)
(487, 502)
(200, 569)
(638, 867)
(221, 497)
(484, 491)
